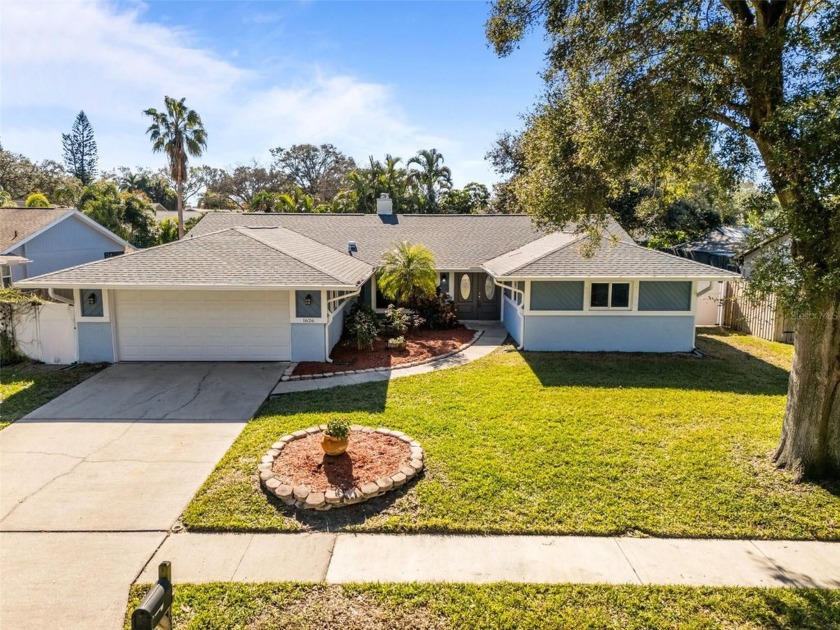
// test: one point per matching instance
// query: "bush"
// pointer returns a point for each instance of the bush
(401, 320)
(361, 324)
(37, 200)
(338, 428)
(438, 312)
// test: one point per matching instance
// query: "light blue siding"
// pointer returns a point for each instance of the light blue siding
(336, 326)
(593, 333)
(513, 321)
(71, 242)
(96, 344)
(664, 296)
(556, 296)
(308, 342)
(302, 310)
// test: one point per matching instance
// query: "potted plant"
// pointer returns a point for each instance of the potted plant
(336, 437)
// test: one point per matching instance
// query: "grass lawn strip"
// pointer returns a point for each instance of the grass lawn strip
(26, 386)
(559, 443)
(229, 606)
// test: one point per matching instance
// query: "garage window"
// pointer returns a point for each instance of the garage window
(91, 303)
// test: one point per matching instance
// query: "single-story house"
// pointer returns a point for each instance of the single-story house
(43, 240)
(722, 247)
(248, 286)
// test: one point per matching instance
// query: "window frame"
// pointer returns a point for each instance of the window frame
(609, 306)
(5, 276)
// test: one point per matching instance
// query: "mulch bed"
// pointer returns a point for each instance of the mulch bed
(419, 346)
(369, 456)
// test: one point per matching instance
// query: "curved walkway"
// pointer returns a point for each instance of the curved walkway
(492, 336)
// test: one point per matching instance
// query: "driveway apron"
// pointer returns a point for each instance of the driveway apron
(123, 452)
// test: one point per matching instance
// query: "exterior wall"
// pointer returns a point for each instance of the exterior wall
(308, 342)
(96, 342)
(604, 333)
(71, 242)
(336, 326)
(314, 308)
(512, 319)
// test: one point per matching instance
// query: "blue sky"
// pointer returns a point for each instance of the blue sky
(370, 77)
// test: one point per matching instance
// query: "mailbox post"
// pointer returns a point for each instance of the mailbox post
(155, 612)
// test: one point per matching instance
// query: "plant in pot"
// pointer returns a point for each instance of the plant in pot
(336, 436)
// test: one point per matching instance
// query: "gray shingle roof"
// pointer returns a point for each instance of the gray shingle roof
(229, 258)
(612, 259)
(16, 224)
(457, 241)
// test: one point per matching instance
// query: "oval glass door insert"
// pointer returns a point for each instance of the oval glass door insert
(466, 287)
(489, 288)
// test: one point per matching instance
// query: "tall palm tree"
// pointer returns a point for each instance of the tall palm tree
(431, 176)
(394, 180)
(407, 273)
(179, 133)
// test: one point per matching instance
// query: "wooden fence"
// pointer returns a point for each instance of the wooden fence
(761, 319)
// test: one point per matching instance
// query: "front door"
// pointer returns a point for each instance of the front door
(476, 296)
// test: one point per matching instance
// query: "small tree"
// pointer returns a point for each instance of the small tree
(80, 155)
(407, 273)
(37, 200)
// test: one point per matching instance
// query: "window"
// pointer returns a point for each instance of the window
(6, 274)
(91, 303)
(610, 295)
(444, 283)
(557, 296)
(489, 288)
(465, 287)
(664, 296)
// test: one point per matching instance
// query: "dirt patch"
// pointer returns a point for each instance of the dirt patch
(369, 456)
(419, 346)
(332, 608)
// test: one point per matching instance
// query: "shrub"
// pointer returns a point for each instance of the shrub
(396, 342)
(37, 200)
(401, 320)
(407, 273)
(361, 324)
(438, 312)
(338, 428)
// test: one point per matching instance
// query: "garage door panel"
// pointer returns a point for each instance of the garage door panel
(203, 325)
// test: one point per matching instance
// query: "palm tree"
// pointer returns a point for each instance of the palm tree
(431, 177)
(407, 273)
(394, 180)
(178, 132)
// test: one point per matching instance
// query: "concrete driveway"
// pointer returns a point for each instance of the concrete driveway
(123, 453)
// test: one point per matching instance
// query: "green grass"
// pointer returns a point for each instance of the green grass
(426, 606)
(597, 444)
(26, 386)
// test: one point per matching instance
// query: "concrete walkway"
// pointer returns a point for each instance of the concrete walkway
(492, 336)
(91, 482)
(341, 558)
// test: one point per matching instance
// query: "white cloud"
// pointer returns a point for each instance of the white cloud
(105, 59)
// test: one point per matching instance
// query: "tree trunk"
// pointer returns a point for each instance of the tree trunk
(810, 444)
(180, 209)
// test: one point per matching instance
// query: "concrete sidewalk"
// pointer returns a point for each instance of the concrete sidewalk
(340, 558)
(493, 334)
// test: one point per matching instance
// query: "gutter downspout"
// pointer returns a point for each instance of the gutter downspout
(522, 322)
(59, 298)
(345, 296)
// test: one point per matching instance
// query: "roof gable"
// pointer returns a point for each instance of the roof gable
(21, 225)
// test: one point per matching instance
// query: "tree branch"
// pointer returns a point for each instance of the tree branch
(731, 123)
(740, 10)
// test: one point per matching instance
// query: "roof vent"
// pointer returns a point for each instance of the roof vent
(351, 247)
(384, 205)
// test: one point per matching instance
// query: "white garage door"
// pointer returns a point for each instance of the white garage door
(203, 325)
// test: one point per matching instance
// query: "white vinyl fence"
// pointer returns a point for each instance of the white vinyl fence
(46, 332)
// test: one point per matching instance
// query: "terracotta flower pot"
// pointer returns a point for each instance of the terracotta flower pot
(334, 445)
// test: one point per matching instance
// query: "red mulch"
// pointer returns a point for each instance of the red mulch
(369, 457)
(419, 345)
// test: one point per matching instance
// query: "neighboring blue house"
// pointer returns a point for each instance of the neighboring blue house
(43, 240)
(275, 287)
(722, 247)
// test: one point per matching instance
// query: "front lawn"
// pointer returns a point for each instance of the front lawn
(562, 443)
(438, 606)
(26, 386)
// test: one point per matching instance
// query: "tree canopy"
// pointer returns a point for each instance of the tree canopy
(661, 96)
